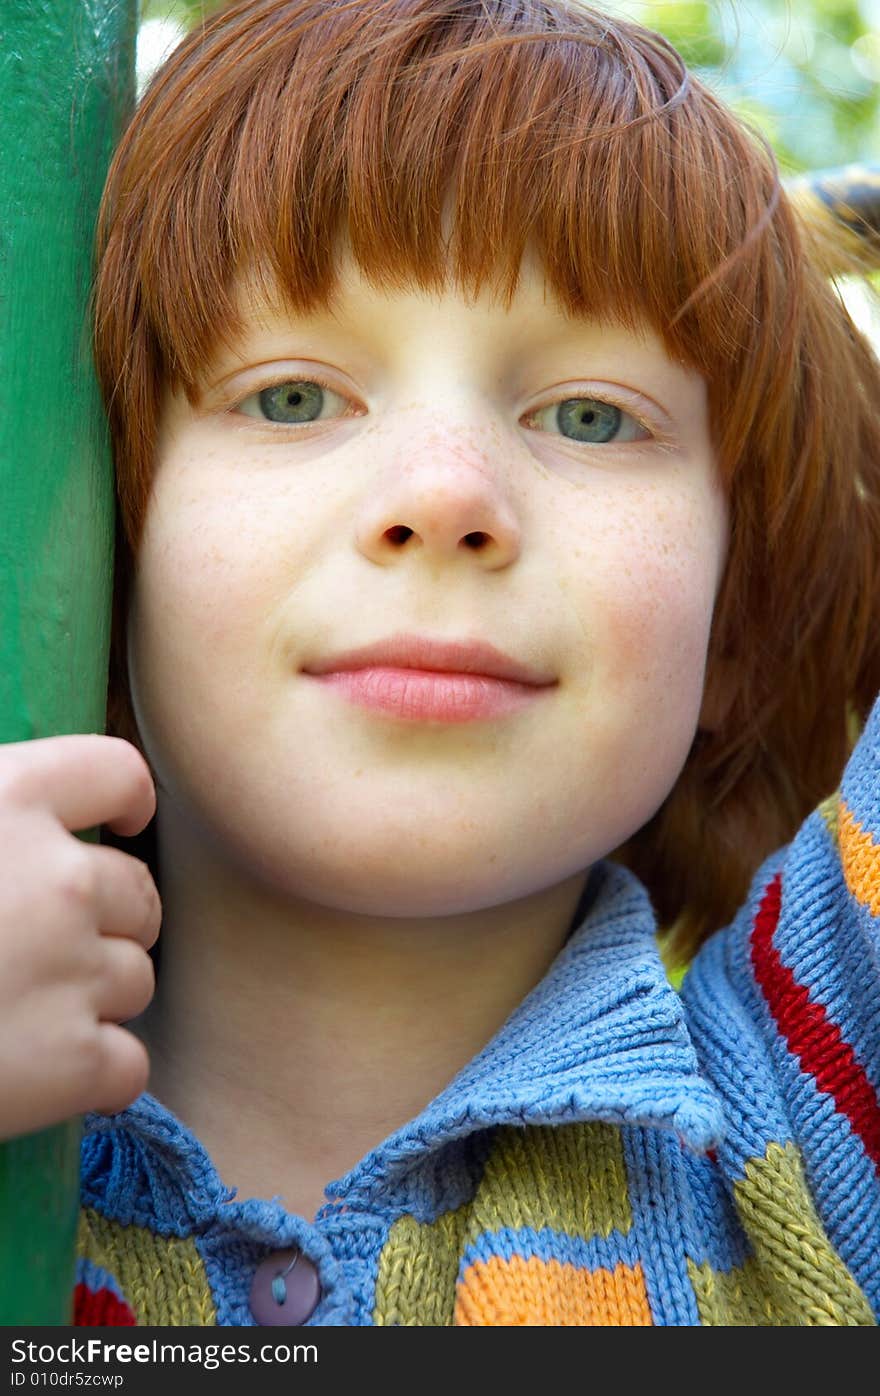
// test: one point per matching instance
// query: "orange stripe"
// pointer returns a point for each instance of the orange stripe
(861, 861)
(535, 1293)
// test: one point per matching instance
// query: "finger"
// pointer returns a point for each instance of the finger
(124, 895)
(108, 890)
(124, 1071)
(85, 779)
(127, 981)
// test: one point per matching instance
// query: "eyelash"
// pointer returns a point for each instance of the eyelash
(654, 431)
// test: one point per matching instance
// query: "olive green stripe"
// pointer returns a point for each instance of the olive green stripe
(794, 1278)
(163, 1278)
(830, 812)
(418, 1268)
(570, 1178)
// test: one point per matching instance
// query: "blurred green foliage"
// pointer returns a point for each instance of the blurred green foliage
(187, 11)
(804, 72)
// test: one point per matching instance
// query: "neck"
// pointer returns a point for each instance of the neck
(315, 1031)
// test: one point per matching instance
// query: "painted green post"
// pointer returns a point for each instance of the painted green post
(66, 84)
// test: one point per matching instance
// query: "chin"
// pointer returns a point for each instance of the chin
(400, 887)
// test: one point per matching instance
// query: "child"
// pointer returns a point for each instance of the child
(500, 487)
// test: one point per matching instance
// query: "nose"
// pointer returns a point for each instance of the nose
(443, 501)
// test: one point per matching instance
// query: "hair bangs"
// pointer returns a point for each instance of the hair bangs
(439, 141)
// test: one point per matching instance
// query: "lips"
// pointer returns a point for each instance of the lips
(411, 678)
(405, 651)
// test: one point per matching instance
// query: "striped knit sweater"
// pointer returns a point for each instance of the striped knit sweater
(617, 1154)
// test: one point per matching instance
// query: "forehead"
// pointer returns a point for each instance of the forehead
(392, 319)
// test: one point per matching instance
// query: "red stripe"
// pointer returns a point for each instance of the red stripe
(811, 1035)
(100, 1309)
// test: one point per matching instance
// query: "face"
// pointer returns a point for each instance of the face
(435, 476)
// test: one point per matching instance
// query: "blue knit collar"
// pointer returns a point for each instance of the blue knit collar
(601, 1037)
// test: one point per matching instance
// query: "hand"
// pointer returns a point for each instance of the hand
(76, 922)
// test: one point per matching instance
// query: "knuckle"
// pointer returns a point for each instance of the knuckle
(147, 881)
(147, 892)
(77, 877)
(13, 779)
(154, 918)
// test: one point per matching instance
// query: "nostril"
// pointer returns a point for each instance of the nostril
(398, 534)
(474, 540)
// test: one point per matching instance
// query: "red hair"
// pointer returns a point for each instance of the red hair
(280, 125)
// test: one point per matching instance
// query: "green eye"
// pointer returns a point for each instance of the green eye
(300, 401)
(296, 402)
(585, 419)
(590, 421)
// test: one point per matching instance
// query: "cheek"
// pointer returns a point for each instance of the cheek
(194, 604)
(652, 578)
(210, 568)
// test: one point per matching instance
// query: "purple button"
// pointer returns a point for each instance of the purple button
(285, 1289)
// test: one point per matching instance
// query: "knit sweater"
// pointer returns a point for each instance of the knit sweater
(619, 1153)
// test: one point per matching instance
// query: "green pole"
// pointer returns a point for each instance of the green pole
(66, 85)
